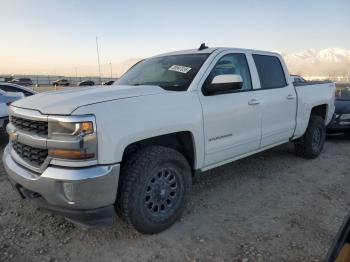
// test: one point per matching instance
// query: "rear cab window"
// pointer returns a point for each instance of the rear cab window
(270, 71)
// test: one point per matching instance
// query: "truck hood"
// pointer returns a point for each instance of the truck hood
(64, 102)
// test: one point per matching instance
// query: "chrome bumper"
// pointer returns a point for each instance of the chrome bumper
(81, 188)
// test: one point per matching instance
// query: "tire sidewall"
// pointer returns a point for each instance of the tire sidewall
(140, 218)
(315, 123)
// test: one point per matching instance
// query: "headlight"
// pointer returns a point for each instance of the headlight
(70, 128)
(344, 117)
(72, 137)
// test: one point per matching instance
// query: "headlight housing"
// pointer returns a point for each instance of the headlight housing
(72, 137)
(70, 128)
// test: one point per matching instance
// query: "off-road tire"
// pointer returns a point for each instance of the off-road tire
(136, 188)
(310, 145)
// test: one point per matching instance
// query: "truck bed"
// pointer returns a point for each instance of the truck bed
(311, 83)
(309, 95)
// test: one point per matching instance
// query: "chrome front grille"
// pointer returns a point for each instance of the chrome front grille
(32, 155)
(31, 126)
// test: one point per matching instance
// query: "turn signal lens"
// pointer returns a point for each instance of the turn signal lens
(70, 154)
(86, 127)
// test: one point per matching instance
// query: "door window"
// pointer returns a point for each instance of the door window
(232, 64)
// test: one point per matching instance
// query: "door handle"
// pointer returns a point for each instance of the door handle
(290, 97)
(253, 102)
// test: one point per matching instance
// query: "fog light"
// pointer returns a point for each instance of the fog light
(69, 192)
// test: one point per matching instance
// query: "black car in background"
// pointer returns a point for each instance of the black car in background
(22, 81)
(341, 118)
(86, 83)
(108, 83)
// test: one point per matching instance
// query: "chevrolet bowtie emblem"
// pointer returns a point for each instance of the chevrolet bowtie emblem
(13, 136)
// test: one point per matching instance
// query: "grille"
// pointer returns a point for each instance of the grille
(32, 126)
(35, 156)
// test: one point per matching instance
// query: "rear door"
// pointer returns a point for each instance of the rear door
(231, 119)
(278, 100)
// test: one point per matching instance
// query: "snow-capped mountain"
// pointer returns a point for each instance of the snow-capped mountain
(325, 62)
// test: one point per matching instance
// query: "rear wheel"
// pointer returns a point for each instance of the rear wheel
(310, 145)
(155, 184)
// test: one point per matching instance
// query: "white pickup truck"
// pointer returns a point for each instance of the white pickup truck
(133, 148)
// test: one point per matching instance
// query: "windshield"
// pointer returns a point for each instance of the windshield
(174, 72)
(343, 92)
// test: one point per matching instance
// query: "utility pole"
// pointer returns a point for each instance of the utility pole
(98, 60)
(76, 74)
(110, 65)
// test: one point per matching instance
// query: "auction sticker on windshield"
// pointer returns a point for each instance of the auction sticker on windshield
(181, 69)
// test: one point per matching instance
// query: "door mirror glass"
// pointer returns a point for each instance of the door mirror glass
(221, 83)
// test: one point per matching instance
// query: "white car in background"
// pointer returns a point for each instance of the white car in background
(298, 79)
(8, 94)
(14, 88)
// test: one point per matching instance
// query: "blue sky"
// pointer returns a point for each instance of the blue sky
(56, 34)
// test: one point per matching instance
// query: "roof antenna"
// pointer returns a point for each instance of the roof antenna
(202, 47)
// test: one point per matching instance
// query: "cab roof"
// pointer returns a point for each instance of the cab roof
(213, 49)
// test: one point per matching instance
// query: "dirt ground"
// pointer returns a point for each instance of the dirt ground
(269, 207)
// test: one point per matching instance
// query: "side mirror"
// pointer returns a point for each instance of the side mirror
(221, 83)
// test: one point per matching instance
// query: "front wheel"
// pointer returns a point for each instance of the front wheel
(155, 185)
(310, 145)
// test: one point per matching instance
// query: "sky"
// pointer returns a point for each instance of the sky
(47, 36)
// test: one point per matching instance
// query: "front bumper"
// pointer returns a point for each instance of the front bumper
(85, 195)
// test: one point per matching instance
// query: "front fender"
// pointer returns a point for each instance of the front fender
(126, 121)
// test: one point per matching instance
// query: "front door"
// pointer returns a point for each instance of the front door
(232, 120)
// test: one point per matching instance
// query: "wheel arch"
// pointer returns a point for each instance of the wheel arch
(304, 114)
(182, 141)
(320, 110)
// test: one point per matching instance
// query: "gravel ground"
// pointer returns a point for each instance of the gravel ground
(269, 207)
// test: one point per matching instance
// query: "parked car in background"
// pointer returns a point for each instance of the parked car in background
(9, 93)
(8, 87)
(86, 83)
(298, 79)
(341, 119)
(61, 82)
(6, 98)
(22, 81)
(108, 83)
(134, 147)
